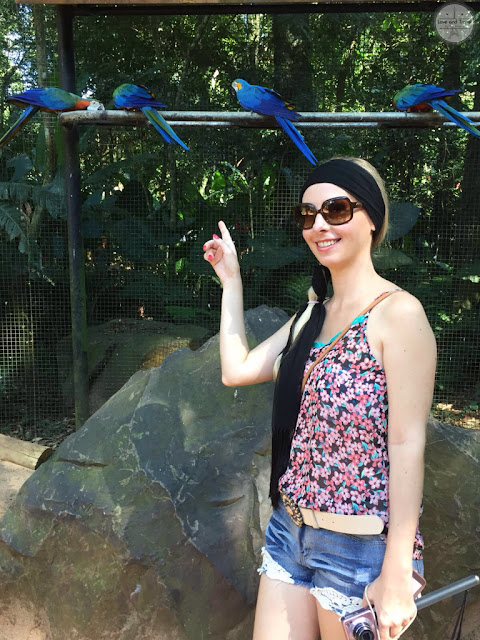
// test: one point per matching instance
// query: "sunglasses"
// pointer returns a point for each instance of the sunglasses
(334, 211)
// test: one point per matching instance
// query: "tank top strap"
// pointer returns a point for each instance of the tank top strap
(366, 312)
(383, 294)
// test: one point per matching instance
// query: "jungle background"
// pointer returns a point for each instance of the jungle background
(148, 207)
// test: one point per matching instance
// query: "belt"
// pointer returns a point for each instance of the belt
(357, 525)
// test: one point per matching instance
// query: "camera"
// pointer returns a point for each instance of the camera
(360, 625)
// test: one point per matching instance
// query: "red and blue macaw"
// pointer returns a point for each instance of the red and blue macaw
(138, 98)
(268, 102)
(425, 97)
(49, 99)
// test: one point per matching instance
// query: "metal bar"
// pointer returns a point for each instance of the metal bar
(415, 6)
(447, 592)
(73, 205)
(309, 120)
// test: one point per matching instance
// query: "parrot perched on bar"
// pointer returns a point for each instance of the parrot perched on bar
(138, 98)
(268, 102)
(425, 97)
(49, 99)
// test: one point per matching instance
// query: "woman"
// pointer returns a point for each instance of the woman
(346, 498)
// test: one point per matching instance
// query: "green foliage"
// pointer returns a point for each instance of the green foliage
(11, 221)
(147, 207)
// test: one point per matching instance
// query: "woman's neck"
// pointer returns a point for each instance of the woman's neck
(354, 283)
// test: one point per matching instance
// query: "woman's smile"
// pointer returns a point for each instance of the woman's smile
(324, 245)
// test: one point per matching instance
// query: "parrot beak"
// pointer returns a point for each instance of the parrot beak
(236, 85)
(95, 106)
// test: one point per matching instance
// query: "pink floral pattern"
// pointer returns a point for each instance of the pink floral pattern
(339, 457)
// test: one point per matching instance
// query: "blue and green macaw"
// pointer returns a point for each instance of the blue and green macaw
(425, 97)
(268, 102)
(50, 99)
(137, 97)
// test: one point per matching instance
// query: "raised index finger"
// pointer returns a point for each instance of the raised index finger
(224, 231)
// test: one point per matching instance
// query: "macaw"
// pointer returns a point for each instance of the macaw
(425, 97)
(268, 102)
(49, 99)
(137, 97)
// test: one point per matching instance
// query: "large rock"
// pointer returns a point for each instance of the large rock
(148, 522)
(451, 526)
(119, 348)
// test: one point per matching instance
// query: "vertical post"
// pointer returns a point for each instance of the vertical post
(65, 15)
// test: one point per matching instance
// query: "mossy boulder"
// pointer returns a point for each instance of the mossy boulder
(148, 521)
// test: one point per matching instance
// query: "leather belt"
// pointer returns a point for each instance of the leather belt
(352, 524)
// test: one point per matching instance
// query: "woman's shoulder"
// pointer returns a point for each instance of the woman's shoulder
(401, 314)
(402, 304)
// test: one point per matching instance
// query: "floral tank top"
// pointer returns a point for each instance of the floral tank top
(339, 457)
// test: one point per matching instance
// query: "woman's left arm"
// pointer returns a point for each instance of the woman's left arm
(409, 359)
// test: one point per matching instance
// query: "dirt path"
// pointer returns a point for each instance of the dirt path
(12, 476)
(18, 621)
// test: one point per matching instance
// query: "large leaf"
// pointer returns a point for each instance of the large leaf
(11, 220)
(402, 218)
(267, 251)
(16, 191)
(50, 196)
(134, 240)
(124, 167)
(385, 258)
(22, 165)
(297, 288)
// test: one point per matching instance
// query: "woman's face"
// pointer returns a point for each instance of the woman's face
(337, 244)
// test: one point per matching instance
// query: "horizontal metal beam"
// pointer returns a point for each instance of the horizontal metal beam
(282, 6)
(309, 120)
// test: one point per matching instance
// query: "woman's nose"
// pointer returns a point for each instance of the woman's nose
(320, 222)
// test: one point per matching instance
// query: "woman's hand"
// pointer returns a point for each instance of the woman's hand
(393, 602)
(222, 255)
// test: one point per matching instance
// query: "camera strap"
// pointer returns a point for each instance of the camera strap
(365, 595)
(457, 630)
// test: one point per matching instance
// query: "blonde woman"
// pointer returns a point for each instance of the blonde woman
(352, 397)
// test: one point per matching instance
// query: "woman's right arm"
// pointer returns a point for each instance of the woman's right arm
(240, 365)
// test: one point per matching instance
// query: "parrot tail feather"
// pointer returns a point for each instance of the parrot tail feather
(452, 114)
(162, 126)
(297, 138)
(29, 112)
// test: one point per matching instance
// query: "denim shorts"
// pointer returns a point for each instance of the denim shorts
(336, 567)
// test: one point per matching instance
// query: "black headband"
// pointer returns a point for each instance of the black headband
(354, 179)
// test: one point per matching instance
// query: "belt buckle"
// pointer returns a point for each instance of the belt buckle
(292, 509)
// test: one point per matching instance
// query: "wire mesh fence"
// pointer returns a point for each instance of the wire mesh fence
(147, 209)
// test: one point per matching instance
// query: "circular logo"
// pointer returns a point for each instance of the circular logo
(454, 22)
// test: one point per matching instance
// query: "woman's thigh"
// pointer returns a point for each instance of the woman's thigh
(330, 626)
(285, 612)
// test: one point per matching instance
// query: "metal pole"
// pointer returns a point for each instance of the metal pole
(447, 592)
(74, 221)
(309, 120)
(215, 8)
